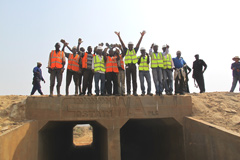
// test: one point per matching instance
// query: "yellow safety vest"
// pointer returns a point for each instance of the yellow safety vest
(143, 66)
(99, 65)
(167, 62)
(131, 57)
(157, 61)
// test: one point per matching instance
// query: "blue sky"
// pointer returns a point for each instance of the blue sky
(29, 30)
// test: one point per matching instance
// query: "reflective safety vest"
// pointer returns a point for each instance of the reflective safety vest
(73, 62)
(143, 66)
(121, 62)
(111, 64)
(99, 65)
(56, 59)
(84, 60)
(131, 57)
(157, 61)
(167, 62)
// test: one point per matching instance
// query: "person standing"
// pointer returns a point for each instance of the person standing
(187, 70)
(121, 73)
(37, 77)
(235, 72)
(168, 66)
(179, 74)
(73, 69)
(143, 62)
(157, 68)
(55, 67)
(111, 73)
(99, 71)
(198, 71)
(130, 54)
(87, 64)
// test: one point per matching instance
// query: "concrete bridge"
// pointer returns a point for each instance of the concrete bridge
(124, 128)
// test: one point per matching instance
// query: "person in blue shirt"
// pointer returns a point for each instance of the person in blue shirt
(179, 73)
(37, 77)
(236, 72)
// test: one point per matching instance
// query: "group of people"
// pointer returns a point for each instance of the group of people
(111, 65)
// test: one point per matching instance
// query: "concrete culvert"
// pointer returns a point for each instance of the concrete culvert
(56, 142)
(152, 139)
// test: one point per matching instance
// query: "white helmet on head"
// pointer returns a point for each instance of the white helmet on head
(130, 43)
(99, 48)
(142, 48)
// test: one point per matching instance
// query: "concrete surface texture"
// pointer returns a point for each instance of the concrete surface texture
(124, 128)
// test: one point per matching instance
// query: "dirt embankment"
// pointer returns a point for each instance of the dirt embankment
(12, 112)
(218, 108)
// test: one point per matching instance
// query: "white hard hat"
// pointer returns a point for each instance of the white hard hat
(154, 44)
(130, 43)
(142, 48)
(164, 46)
(99, 48)
(74, 47)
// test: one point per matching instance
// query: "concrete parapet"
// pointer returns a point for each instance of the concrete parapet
(108, 108)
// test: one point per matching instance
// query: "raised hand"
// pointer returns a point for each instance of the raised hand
(143, 32)
(117, 33)
(63, 41)
(152, 45)
(80, 40)
(167, 46)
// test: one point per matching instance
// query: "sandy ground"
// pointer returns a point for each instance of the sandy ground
(218, 108)
(12, 112)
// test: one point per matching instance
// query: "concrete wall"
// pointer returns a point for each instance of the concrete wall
(124, 128)
(20, 143)
(204, 141)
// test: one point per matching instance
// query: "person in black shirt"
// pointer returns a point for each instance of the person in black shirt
(187, 70)
(198, 71)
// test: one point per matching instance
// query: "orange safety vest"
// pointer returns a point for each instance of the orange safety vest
(84, 60)
(111, 64)
(121, 62)
(73, 62)
(56, 59)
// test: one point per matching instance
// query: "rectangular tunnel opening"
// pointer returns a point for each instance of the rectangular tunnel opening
(152, 139)
(56, 142)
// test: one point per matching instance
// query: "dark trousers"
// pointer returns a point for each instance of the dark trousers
(80, 82)
(112, 77)
(69, 76)
(87, 80)
(200, 82)
(55, 73)
(131, 71)
(36, 86)
(179, 84)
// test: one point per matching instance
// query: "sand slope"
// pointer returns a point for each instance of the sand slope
(218, 108)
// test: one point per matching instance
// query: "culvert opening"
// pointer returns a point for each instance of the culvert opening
(152, 139)
(82, 135)
(56, 142)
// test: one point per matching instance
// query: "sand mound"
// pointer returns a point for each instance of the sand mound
(12, 112)
(218, 108)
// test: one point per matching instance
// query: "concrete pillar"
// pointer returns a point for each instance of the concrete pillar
(113, 131)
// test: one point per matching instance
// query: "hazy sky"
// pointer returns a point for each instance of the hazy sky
(29, 30)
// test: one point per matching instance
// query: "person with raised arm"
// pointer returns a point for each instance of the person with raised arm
(131, 59)
(73, 69)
